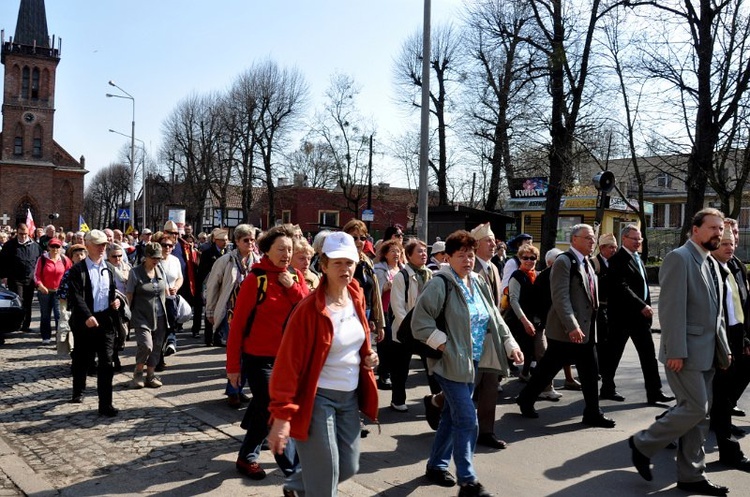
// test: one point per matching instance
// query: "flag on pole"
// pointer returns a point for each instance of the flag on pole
(30, 223)
(130, 229)
(82, 226)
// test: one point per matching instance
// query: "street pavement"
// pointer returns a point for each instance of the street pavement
(182, 439)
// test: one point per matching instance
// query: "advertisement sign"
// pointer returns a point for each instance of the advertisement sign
(178, 216)
(529, 187)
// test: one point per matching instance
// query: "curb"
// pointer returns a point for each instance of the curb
(22, 475)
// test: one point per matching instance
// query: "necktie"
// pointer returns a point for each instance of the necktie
(639, 262)
(592, 286)
(736, 302)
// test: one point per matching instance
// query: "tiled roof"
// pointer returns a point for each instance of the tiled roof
(31, 27)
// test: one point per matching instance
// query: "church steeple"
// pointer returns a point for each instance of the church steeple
(31, 28)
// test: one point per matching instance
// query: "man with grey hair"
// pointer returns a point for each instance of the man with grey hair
(208, 257)
(571, 328)
(630, 316)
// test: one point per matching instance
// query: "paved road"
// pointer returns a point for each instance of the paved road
(182, 439)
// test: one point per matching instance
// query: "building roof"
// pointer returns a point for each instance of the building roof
(31, 27)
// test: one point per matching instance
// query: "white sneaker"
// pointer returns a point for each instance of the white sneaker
(399, 407)
(153, 382)
(550, 394)
(171, 349)
(46, 341)
(137, 380)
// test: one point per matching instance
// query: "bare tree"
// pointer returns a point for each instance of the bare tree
(313, 160)
(342, 129)
(500, 87)
(281, 94)
(108, 191)
(445, 62)
(709, 72)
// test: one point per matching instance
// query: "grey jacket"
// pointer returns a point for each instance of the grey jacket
(457, 363)
(142, 310)
(690, 311)
(573, 305)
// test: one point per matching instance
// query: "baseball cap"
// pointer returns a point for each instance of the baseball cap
(340, 245)
(97, 237)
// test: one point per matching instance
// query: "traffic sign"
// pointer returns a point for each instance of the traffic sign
(123, 214)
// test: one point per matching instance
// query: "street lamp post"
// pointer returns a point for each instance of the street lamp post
(143, 171)
(132, 149)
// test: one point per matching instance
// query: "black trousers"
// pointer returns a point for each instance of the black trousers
(26, 292)
(95, 342)
(559, 354)
(613, 348)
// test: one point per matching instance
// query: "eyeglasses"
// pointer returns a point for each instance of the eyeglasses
(247, 240)
(590, 238)
(639, 240)
(400, 235)
(167, 245)
(361, 238)
(529, 258)
(172, 232)
(116, 256)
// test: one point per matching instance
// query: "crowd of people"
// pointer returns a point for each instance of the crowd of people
(314, 328)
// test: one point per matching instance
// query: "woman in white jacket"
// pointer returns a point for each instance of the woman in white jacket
(226, 275)
(406, 286)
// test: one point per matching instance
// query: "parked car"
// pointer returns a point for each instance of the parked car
(11, 312)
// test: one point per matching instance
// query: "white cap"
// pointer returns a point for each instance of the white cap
(438, 247)
(340, 245)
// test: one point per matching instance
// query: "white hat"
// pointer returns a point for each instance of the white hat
(438, 247)
(482, 231)
(607, 239)
(170, 227)
(96, 237)
(340, 245)
(145, 231)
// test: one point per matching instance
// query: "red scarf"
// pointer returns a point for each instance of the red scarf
(531, 273)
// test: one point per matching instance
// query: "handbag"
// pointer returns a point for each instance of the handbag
(184, 311)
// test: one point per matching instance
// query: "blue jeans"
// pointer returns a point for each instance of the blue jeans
(457, 433)
(48, 304)
(258, 370)
(330, 454)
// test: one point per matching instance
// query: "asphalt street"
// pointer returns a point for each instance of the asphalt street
(182, 439)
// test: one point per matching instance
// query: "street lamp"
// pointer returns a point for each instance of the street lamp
(143, 148)
(132, 148)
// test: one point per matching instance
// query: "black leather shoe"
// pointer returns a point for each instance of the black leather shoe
(703, 487)
(77, 399)
(600, 421)
(741, 463)
(737, 431)
(640, 461)
(385, 384)
(491, 441)
(440, 477)
(108, 411)
(527, 410)
(736, 411)
(660, 397)
(612, 396)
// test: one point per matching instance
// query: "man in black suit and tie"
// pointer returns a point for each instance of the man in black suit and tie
(607, 248)
(92, 302)
(693, 342)
(571, 328)
(630, 316)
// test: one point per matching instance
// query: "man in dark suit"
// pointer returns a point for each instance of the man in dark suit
(17, 263)
(742, 362)
(607, 248)
(207, 259)
(693, 341)
(725, 381)
(630, 316)
(92, 302)
(571, 328)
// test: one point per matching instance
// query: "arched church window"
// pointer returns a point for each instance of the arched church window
(35, 83)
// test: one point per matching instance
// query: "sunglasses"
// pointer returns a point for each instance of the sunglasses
(529, 258)
(167, 245)
(116, 256)
(361, 238)
(247, 240)
(172, 232)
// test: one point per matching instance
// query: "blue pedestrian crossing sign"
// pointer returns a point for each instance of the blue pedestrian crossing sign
(123, 214)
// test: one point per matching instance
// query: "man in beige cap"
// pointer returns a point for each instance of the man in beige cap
(607, 248)
(487, 381)
(92, 302)
(207, 260)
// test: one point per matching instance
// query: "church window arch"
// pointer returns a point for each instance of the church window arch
(25, 82)
(37, 144)
(35, 83)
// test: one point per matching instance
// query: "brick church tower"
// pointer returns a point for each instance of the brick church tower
(35, 172)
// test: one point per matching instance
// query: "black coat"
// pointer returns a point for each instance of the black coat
(627, 287)
(18, 262)
(81, 298)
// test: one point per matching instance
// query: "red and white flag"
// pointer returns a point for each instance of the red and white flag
(30, 223)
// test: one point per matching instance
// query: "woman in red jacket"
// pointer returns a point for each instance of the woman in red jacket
(265, 300)
(49, 271)
(323, 376)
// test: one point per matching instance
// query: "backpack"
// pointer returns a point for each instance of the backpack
(404, 333)
(260, 296)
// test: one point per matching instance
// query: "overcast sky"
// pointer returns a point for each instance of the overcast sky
(160, 51)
